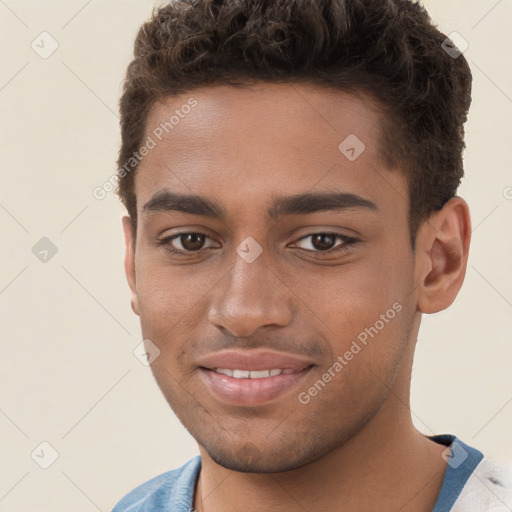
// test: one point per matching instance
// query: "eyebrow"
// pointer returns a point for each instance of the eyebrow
(299, 204)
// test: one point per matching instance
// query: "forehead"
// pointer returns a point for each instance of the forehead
(265, 139)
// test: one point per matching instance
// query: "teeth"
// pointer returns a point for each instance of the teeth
(229, 373)
(249, 374)
(260, 374)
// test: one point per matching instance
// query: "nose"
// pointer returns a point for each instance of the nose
(250, 296)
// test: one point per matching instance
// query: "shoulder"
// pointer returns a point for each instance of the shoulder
(488, 488)
(172, 490)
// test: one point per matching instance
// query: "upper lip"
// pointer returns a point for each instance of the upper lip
(255, 359)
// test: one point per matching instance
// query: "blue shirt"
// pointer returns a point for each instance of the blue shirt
(173, 491)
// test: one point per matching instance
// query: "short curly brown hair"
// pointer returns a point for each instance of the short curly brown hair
(389, 49)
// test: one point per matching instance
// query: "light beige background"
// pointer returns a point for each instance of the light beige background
(68, 374)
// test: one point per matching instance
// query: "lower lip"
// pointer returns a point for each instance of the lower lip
(250, 392)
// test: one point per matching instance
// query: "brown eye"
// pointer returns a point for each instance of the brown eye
(190, 241)
(326, 242)
(323, 242)
(187, 243)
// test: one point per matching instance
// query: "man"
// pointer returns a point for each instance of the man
(289, 170)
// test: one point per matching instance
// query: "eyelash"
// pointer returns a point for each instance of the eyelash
(348, 243)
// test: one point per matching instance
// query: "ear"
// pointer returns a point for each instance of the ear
(129, 261)
(442, 248)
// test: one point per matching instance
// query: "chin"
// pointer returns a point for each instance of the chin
(250, 459)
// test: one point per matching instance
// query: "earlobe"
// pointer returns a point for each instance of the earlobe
(443, 247)
(129, 261)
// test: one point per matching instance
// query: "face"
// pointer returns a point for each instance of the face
(291, 253)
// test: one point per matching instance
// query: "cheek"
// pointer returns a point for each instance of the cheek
(173, 304)
(353, 297)
(167, 293)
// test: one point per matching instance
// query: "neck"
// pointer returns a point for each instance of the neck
(399, 470)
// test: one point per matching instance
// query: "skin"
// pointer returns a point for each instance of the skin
(353, 446)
